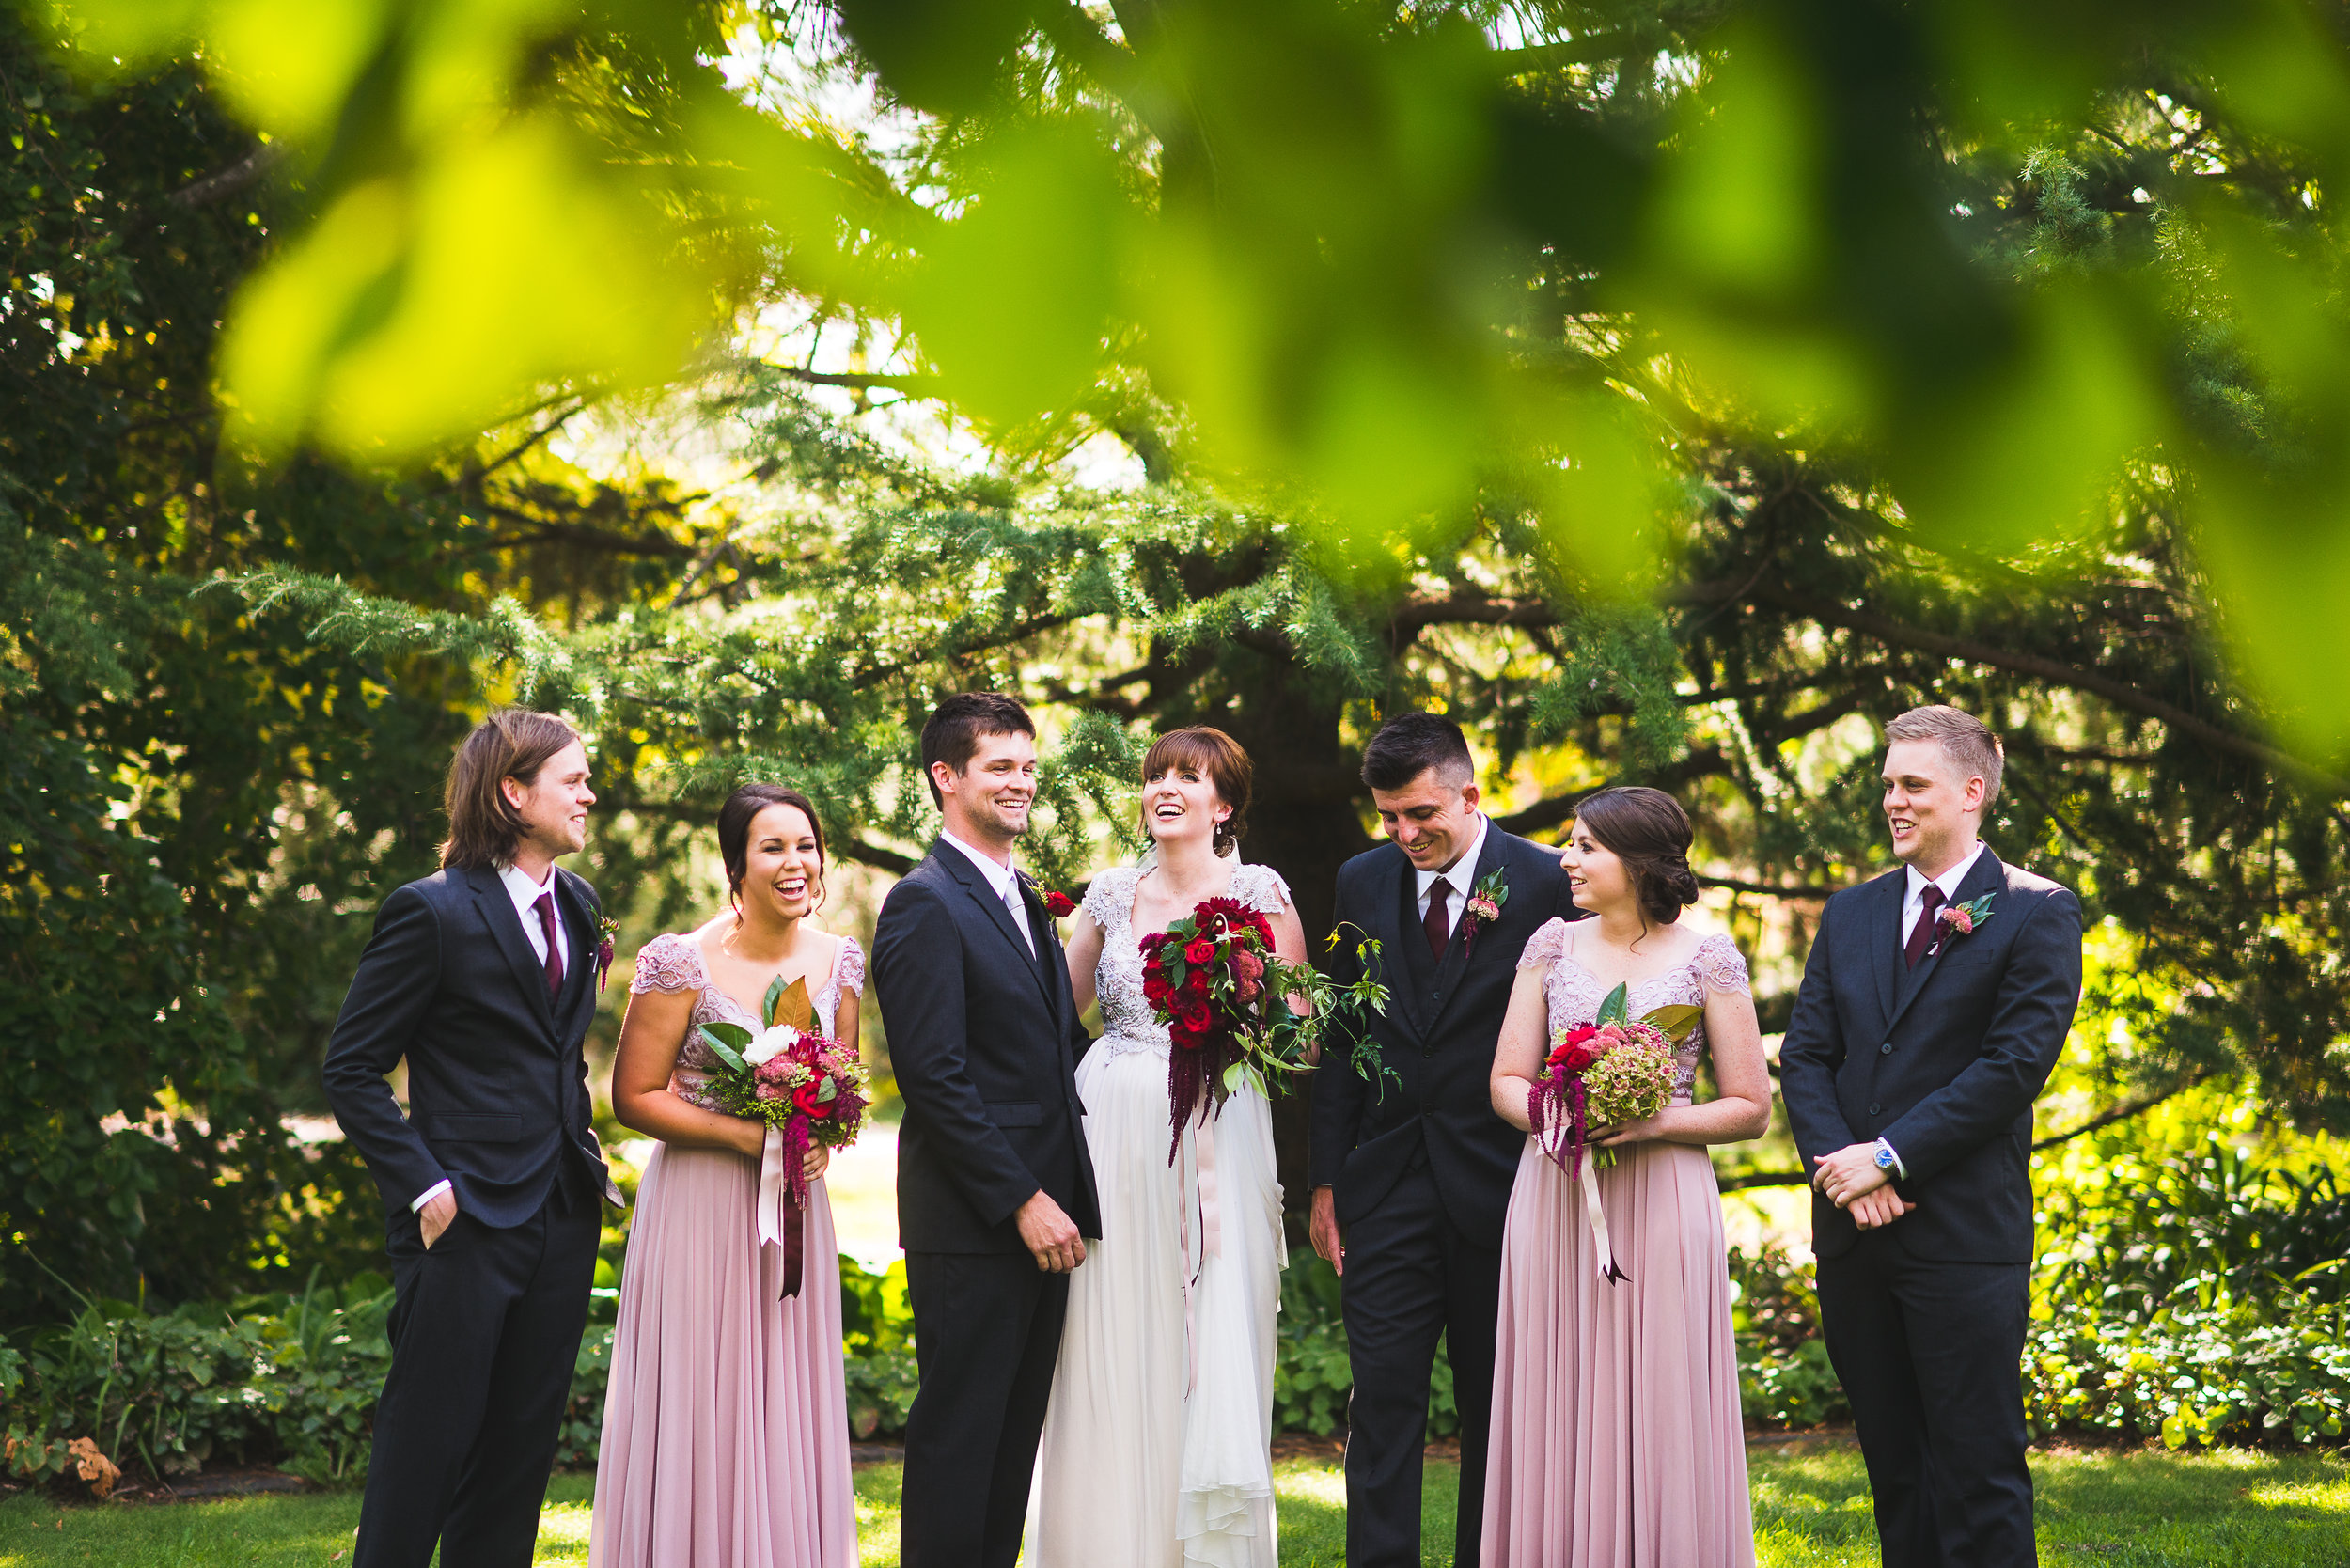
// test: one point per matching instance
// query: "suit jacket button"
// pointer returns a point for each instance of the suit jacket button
(1886, 1049)
(1875, 1108)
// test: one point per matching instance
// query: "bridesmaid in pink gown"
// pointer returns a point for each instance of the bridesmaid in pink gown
(1617, 1439)
(726, 1434)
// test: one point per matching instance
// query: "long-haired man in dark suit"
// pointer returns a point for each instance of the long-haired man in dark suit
(482, 977)
(1934, 1006)
(1411, 1176)
(996, 1191)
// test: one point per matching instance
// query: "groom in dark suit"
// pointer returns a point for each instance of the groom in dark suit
(1934, 1006)
(1411, 1176)
(995, 1192)
(483, 978)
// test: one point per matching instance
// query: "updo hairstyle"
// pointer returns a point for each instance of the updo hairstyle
(1649, 833)
(734, 834)
(1217, 757)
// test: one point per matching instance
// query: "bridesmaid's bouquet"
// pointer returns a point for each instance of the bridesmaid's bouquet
(1215, 981)
(1603, 1073)
(808, 1087)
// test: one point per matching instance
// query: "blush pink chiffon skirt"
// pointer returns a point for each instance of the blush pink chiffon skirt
(726, 1429)
(1617, 1438)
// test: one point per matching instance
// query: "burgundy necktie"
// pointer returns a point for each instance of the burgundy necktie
(545, 906)
(1438, 933)
(1920, 938)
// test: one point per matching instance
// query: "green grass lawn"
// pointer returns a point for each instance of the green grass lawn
(1810, 1511)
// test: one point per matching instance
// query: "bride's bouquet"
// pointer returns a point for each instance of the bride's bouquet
(1604, 1074)
(1215, 981)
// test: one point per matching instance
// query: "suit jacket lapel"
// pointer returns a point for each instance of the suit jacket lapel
(1983, 877)
(1460, 951)
(1885, 940)
(506, 929)
(579, 953)
(959, 866)
(1413, 965)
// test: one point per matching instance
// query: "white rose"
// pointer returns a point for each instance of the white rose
(768, 1044)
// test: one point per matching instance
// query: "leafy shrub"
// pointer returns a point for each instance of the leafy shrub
(1784, 1377)
(2143, 1231)
(2212, 1364)
(286, 1378)
(882, 1385)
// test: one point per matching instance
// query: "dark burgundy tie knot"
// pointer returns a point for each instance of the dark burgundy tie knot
(1921, 937)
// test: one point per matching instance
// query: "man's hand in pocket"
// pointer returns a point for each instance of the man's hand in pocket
(437, 1215)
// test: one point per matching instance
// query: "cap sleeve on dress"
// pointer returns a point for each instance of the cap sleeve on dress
(668, 962)
(1545, 945)
(1721, 966)
(850, 966)
(1111, 894)
(1261, 889)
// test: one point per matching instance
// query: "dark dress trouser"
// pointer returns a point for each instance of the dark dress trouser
(1930, 1354)
(485, 1331)
(986, 1332)
(1411, 1277)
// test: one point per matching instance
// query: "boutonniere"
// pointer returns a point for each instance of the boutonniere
(1960, 920)
(1483, 907)
(607, 929)
(1056, 903)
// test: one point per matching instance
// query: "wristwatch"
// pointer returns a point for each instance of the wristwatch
(1887, 1159)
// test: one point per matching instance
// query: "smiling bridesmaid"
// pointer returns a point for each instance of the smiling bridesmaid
(726, 1437)
(1617, 1438)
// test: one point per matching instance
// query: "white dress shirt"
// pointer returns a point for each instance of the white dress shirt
(1006, 884)
(1461, 875)
(525, 893)
(1916, 899)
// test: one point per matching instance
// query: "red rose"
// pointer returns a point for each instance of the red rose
(803, 1098)
(1059, 905)
(1580, 1057)
(1199, 951)
(1193, 1013)
(1155, 990)
(1196, 984)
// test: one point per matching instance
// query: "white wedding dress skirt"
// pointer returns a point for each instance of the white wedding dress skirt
(1156, 1448)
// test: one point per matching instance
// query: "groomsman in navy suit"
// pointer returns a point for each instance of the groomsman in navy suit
(482, 977)
(1934, 1006)
(1412, 1176)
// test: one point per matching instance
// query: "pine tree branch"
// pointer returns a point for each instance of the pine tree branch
(880, 856)
(1698, 762)
(2120, 692)
(228, 181)
(912, 386)
(1415, 615)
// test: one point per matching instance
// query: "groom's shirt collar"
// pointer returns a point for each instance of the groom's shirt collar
(1914, 894)
(1462, 874)
(999, 876)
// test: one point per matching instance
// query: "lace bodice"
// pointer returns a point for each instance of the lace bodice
(1574, 992)
(672, 962)
(1127, 1021)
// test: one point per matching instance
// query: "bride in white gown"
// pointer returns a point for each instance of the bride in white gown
(1157, 1444)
